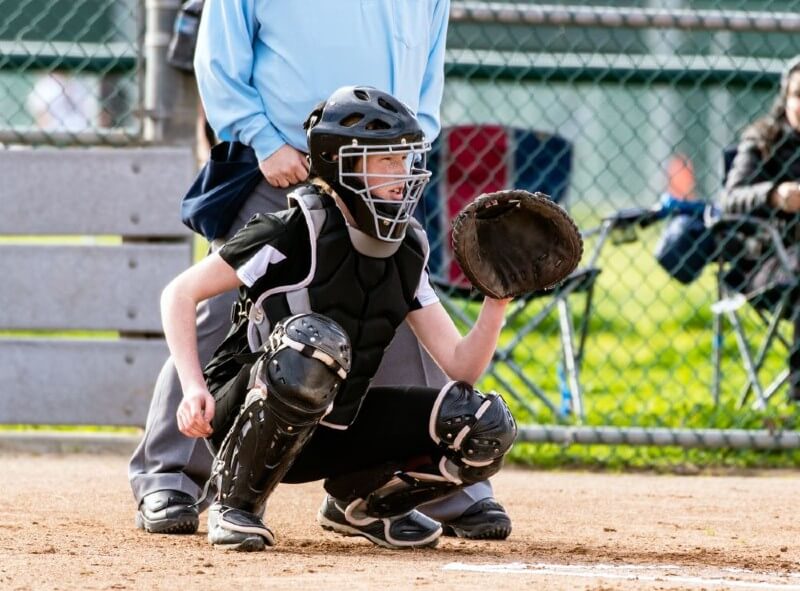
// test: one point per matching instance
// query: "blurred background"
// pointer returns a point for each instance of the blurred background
(606, 107)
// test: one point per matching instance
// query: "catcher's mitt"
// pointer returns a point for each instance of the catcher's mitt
(510, 243)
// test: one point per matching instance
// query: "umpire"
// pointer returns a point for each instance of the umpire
(259, 74)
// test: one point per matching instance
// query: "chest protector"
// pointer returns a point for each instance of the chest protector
(368, 296)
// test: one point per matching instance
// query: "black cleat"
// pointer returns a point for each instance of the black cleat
(235, 529)
(485, 520)
(409, 530)
(167, 512)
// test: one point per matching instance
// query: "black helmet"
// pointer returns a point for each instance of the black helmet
(360, 121)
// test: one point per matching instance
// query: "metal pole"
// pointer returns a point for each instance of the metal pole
(628, 16)
(107, 137)
(170, 97)
(686, 438)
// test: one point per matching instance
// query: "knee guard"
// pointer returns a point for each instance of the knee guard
(473, 430)
(292, 386)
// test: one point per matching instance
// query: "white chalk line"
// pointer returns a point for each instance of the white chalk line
(633, 572)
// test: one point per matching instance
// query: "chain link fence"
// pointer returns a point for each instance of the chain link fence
(610, 109)
(607, 108)
(71, 72)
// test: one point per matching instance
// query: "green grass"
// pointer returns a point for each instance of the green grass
(647, 363)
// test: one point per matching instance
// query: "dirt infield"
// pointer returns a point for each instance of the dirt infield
(66, 522)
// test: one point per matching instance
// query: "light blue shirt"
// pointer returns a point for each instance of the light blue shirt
(262, 65)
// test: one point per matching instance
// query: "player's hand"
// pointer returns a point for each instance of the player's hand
(787, 196)
(195, 413)
(285, 167)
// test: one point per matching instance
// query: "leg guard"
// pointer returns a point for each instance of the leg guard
(474, 432)
(408, 530)
(292, 386)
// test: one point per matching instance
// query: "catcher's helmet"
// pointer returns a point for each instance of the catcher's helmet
(356, 122)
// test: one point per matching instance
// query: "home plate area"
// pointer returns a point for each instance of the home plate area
(669, 575)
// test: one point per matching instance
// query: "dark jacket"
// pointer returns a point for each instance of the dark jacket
(752, 177)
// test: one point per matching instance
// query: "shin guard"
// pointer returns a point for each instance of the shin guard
(292, 387)
(474, 431)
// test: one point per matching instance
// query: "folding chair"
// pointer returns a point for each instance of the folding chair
(734, 235)
(469, 160)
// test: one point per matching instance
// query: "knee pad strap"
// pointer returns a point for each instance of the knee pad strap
(307, 357)
(387, 490)
(474, 430)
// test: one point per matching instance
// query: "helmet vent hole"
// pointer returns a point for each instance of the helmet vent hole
(351, 119)
(362, 94)
(387, 105)
(377, 124)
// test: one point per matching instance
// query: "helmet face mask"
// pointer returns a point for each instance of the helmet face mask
(390, 216)
(353, 125)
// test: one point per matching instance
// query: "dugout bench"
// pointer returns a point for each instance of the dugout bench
(88, 239)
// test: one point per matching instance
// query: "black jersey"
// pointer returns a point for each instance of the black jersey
(302, 260)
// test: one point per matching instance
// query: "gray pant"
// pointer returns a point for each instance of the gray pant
(166, 459)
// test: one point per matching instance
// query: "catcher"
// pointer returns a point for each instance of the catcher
(323, 287)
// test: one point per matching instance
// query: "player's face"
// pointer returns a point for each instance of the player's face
(793, 100)
(381, 169)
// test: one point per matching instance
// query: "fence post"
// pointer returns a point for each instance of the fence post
(170, 96)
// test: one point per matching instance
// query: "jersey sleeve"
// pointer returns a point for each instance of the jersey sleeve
(255, 247)
(425, 295)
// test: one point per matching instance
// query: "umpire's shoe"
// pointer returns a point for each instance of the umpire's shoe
(409, 530)
(167, 512)
(485, 520)
(234, 529)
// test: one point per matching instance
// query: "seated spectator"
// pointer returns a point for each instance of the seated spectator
(58, 102)
(764, 181)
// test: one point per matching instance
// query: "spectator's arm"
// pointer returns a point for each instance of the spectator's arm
(746, 189)
(430, 99)
(223, 64)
